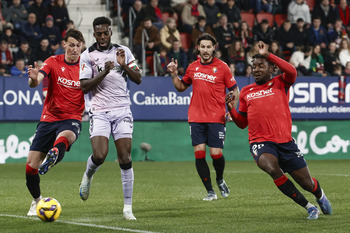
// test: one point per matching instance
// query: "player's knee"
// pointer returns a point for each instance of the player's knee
(216, 156)
(30, 170)
(98, 159)
(124, 159)
(199, 154)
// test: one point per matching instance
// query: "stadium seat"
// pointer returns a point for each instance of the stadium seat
(249, 18)
(268, 16)
(311, 4)
(279, 19)
(185, 41)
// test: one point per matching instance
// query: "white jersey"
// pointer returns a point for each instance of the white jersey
(112, 92)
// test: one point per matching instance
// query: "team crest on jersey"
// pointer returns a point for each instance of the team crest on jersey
(83, 67)
(215, 69)
(270, 83)
(63, 68)
(197, 68)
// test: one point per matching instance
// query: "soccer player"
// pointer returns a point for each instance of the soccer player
(60, 122)
(206, 114)
(263, 106)
(104, 69)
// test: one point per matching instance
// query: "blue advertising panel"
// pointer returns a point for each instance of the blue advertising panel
(18, 101)
(157, 99)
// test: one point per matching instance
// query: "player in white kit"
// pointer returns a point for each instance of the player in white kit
(104, 69)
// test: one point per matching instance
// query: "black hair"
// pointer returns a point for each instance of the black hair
(101, 20)
(76, 34)
(262, 56)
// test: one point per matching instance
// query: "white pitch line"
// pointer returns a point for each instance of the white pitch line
(82, 224)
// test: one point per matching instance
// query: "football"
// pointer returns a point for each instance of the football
(48, 209)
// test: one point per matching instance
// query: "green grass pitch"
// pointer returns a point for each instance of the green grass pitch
(168, 198)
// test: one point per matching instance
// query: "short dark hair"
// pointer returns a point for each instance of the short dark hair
(76, 34)
(262, 56)
(101, 20)
(206, 36)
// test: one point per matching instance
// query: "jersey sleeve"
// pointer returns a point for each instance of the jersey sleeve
(230, 81)
(186, 79)
(47, 66)
(242, 102)
(130, 59)
(85, 71)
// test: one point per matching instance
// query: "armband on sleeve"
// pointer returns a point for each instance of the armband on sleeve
(132, 65)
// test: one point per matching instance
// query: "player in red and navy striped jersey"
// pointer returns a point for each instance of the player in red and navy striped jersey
(209, 77)
(60, 122)
(264, 108)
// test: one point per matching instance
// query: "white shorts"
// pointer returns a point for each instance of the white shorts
(118, 122)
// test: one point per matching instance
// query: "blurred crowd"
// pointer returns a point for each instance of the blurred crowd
(313, 35)
(30, 31)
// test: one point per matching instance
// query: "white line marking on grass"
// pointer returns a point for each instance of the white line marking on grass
(82, 224)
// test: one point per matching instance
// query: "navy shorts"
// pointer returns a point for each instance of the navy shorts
(46, 133)
(212, 134)
(288, 154)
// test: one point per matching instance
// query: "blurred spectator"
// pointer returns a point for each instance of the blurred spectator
(326, 13)
(344, 52)
(212, 12)
(236, 55)
(233, 14)
(40, 11)
(347, 69)
(177, 53)
(337, 32)
(259, 5)
(285, 36)
(263, 32)
(190, 13)
(139, 16)
(60, 14)
(70, 25)
(245, 34)
(232, 67)
(6, 55)
(169, 33)
(60, 49)
(222, 4)
(12, 39)
(337, 71)
(3, 23)
(275, 48)
(300, 34)
(31, 31)
(24, 52)
(224, 36)
(3, 71)
(248, 71)
(301, 60)
(317, 33)
(52, 32)
(43, 51)
(218, 54)
(243, 5)
(344, 13)
(164, 61)
(331, 57)
(153, 12)
(277, 7)
(252, 51)
(16, 14)
(19, 69)
(317, 62)
(152, 39)
(199, 28)
(299, 9)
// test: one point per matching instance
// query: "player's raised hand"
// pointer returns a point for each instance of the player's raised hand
(172, 66)
(230, 100)
(121, 57)
(33, 71)
(263, 48)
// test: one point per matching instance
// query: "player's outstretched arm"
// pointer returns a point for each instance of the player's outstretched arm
(34, 76)
(178, 84)
(231, 102)
(289, 72)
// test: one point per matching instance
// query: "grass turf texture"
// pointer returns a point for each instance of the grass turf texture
(168, 198)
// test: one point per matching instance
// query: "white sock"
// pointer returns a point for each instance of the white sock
(127, 208)
(309, 205)
(127, 177)
(91, 168)
(38, 199)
